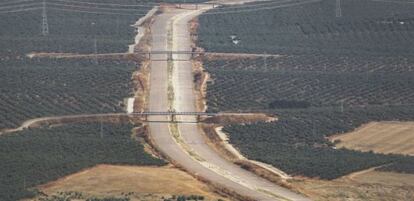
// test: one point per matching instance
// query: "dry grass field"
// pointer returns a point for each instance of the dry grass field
(380, 137)
(146, 183)
(369, 186)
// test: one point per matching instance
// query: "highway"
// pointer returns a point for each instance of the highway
(170, 33)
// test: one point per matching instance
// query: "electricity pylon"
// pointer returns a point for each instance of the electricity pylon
(45, 25)
(338, 8)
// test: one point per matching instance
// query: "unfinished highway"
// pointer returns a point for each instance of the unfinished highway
(172, 87)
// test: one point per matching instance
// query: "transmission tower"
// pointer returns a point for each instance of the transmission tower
(338, 8)
(45, 25)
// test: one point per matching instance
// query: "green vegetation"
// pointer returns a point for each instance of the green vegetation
(62, 196)
(297, 144)
(68, 196)
(405, 166)
(285, 104)
(333, 75)
(310, 105)
(279, 80)
(32, 89)
(70, 32)
(33, 157)
(184, 198)
(365, 27)
(47, 87)
(73, 26)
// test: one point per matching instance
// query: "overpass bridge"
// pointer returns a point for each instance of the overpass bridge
(168, 55)
(172, 115)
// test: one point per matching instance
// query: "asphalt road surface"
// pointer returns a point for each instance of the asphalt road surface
(170, 32)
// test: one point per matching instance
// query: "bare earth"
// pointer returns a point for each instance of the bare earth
(369, 185)
(111, 180)
(380, 137)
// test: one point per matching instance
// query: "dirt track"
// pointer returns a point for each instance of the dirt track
(45, 121)
(207, 164)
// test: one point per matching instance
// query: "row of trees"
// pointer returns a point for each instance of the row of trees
(33, 88)
(297, 142)
(403, 166)
(68, 32)
(318, 63)
(32, 157)
(365, 27)
(339, 72)
(286, 104)
(255, 89)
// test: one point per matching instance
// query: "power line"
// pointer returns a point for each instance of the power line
(269, 2)
(264, 8)
(252, 5)
(89, 7)
(91, 10)
(20, 10)
(70, 10)
(78, 8)
(95, 12)
(394, 1)
(256, 5)
(15, 2)
(18, 6)
(111, 4)
(21, 5)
